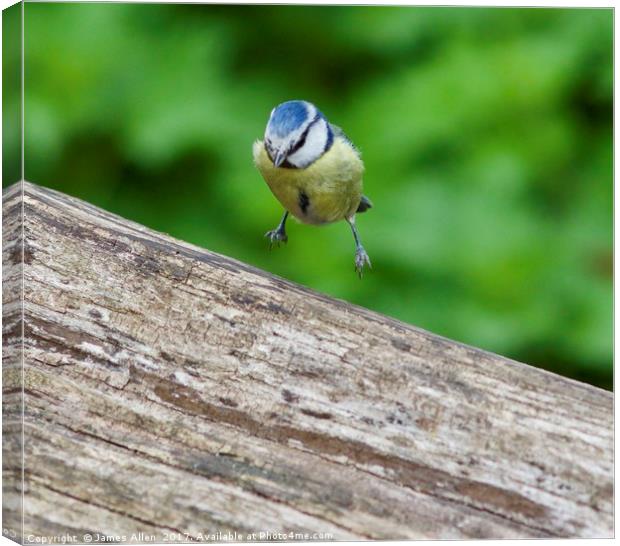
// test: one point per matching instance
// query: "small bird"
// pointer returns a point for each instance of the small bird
(313, 169)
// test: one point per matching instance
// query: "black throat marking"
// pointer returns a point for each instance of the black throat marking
(303, 201)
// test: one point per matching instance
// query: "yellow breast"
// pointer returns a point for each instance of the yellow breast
(327, 191)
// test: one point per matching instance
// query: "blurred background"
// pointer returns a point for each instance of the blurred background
(486, 134)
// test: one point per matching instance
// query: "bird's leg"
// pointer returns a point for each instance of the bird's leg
(279, 234)
(361, 257)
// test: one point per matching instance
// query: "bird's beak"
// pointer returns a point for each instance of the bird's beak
(279, 158)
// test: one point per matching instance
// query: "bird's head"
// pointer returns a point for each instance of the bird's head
(297, 134)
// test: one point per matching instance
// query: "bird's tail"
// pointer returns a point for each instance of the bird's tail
(364, 205)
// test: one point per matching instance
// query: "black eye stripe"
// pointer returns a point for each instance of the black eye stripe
(300, 142)
(304, 135)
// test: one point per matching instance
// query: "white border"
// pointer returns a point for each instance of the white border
(480, 3)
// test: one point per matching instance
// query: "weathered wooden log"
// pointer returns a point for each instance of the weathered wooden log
(174, 392)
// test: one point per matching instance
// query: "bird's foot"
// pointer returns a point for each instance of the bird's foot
(276, 236)
(361, 259)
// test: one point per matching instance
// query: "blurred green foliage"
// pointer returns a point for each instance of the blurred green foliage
(486, 133)
(11, 94)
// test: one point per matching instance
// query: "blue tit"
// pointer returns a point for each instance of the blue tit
(313, 169)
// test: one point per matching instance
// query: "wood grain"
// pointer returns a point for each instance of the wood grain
(168, 389)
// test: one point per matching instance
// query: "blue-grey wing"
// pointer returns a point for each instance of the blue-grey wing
(339, 133)
(365, 203)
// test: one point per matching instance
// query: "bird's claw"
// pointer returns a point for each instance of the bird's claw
(361, 259)
(276, 237)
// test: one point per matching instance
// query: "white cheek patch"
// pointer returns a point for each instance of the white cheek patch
(313, 148)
